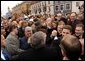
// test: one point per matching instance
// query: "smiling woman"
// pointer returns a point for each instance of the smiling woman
(6, 4)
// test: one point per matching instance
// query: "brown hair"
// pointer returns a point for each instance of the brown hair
(71, 47)
(80, 25)
(12, 27)
(61, 23)
(68, 27)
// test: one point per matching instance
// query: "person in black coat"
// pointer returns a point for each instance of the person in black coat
(39, 51)
(67, 29)
(56, 40)
(21, 29)
(73, 21)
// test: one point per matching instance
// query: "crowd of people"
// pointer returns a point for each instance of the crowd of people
(43, 37)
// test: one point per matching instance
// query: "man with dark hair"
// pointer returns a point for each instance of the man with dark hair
(67, 29)
(56, 40)
(80, 18)
(49, 30)
(73, 21)
(79, 31)
(70, 47)
(60, 17)
(22, 28)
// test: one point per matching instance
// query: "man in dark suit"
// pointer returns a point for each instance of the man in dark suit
(39, 51)
(24, 40)
(56, 40)
(73, 21)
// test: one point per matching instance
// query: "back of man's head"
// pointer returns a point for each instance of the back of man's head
(38, 39)
(71, 47)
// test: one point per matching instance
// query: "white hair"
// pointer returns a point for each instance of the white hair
(28, 28)
(38, 39)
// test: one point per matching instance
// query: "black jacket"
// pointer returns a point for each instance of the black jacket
(24, 43)
(43, 53)
(55, 45)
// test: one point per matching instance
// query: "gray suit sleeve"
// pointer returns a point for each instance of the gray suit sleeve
(12, 46)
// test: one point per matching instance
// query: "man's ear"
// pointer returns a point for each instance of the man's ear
(83, 31)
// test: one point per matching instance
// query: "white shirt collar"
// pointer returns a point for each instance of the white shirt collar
(2, 56)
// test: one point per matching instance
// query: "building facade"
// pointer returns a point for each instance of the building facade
(47, 7)
(21, 9)
(76, 5)
(54, 7)
(62, 6)
(42, 7)
(67, 6)
(38, 8)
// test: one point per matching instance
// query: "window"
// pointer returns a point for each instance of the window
(58, 1)
(77, 4)
(35, 11)
(66, 1)
(44, 9)
(48, 2)
(42, 3)
(61, 1)
(49, 9)
(56, 8)
(39, 10)
(67, 6)
(62, 7)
